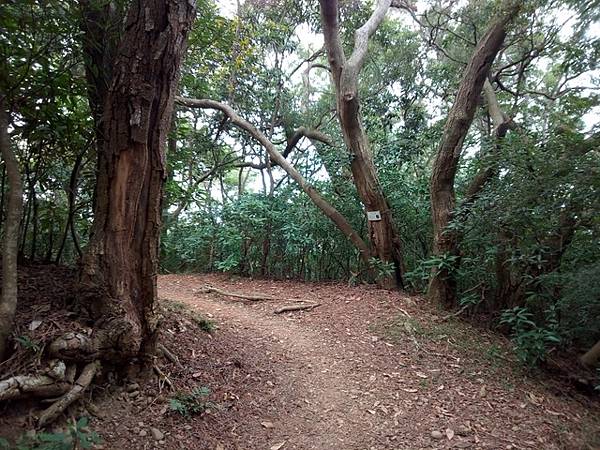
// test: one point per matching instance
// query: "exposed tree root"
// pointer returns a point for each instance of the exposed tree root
(49, 384)
(296, 307)
(114, 339)
(57, 380)
(169, 355)
(304, 304)
(78, 388)
(162, 378)
(454, 314)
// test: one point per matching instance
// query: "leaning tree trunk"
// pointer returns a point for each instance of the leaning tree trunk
(442, 286)
(10, 242)
(385, 241)
(120, 265)
(277, 158)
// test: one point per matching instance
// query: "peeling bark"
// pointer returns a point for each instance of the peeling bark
(120, 264)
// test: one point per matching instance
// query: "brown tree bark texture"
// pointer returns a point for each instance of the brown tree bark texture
(592, 356)
(385, 241)
(442, 287)
(121, 262)
(10, 242)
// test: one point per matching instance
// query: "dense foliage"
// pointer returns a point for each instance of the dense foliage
(530, 247)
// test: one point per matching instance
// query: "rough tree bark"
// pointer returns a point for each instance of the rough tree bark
(385, 241)
(336, 217)
(100, 24)
(120, 264)
(442, 286)
(10, 242)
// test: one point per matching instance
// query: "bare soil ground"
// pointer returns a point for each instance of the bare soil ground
(368, 369)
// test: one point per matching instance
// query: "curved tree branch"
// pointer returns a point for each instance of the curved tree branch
(336, 217)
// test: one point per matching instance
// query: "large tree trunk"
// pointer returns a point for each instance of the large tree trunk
(385, 241)
(442, 287)
(120, 265)
(10, 242)
(100, 24)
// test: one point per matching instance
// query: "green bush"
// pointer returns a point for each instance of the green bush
(76, 436)
(531, 341)
(189, 403)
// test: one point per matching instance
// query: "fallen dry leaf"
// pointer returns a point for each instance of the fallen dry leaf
(449, 433)
(277, 446)
(267, 424)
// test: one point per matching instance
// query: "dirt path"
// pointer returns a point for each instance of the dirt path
(367, 371)
(311, 370)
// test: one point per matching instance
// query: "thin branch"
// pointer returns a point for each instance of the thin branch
(339, 220)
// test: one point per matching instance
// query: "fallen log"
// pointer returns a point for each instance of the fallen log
(303, 304)
(250, 297)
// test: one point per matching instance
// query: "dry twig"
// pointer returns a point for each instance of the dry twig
(303, 304)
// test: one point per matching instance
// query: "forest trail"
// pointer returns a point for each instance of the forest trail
(310, 370)
(366, 370)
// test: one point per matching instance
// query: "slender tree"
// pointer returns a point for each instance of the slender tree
(383, 235)
(10, 240)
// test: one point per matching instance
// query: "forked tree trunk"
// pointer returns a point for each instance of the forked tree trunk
(10, 242)
(385, 241)
(442, 286)
(120, 265)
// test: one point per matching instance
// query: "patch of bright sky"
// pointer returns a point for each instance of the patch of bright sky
(313, 41)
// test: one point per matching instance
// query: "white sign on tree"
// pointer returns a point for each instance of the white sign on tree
(373, 216)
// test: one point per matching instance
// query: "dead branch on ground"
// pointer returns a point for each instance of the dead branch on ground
(87, 375)
(296, 308)
(298, 304)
